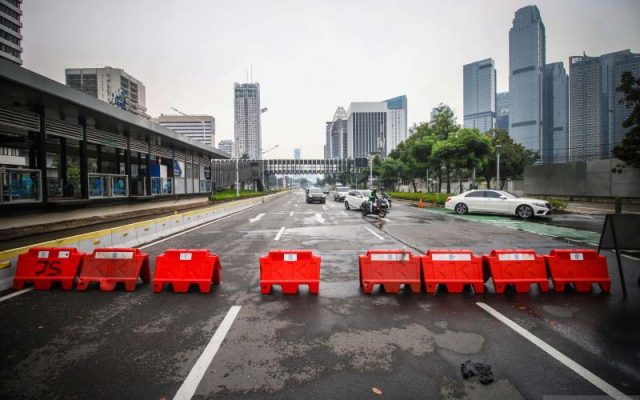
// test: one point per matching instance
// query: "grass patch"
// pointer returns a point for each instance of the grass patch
(435, 198)
(230, 194)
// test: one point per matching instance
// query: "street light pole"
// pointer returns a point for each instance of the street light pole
(498, 146)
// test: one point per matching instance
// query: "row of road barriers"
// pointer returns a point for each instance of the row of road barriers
(131, 235)
(289, 269)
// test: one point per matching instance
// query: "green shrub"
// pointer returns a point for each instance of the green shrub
(436, 198)
(230, 194)
(556, 204)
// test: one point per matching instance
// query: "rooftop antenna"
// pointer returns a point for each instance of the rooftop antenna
(251, 74)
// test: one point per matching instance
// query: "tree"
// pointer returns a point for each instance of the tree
(465, 149)
(441, 126)
(513, 157)
(629, 150)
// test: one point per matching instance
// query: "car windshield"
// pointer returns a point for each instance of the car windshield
(315, 190)
(343, 189)
(366, 193)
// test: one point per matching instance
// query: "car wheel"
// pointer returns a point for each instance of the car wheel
(461, 208)
(346, 205)
(524, 212)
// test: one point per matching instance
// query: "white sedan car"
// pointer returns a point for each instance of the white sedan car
(497, 202)
(355, 198)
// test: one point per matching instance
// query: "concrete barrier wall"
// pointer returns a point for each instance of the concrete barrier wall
(582, 179)
(131, 235)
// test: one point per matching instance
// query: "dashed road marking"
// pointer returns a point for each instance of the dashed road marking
(190, 384)
(319, 218)
(569, 363)
(14, 294)
(291, 213)
(344, 213)
(280, 232)
(374, 234)
(256, 218)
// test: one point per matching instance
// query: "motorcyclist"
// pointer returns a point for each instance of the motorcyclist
(372, 197)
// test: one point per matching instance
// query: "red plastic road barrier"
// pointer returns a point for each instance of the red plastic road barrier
(581, 267)
(182, 267)
(109, 266)
(43, 266)
(289, 269)
(453, 268)
(390, 269)
(520, 268)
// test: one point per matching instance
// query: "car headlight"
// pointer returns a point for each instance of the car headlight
(541, 205)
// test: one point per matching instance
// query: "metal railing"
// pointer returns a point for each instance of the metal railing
(160, 186)
(20, 185)
(108, 186)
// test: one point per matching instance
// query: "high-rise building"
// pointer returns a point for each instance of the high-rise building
(620, 111)
(366, 129)
(10, 27)
(526, 78)
(502, 111)
(595, 117)
(397, 121)
(227, 146)
(296, 153)
(479, 81)
(327, 139)
(201, 128)
(435, 111)
(248, 135)
(338, 137)
(376, 127)
(111, 85)
(556, 111)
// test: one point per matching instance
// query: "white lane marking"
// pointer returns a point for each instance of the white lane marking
(385, 219)
(190, 384)
(194, 228)
(374, 234)
(14, 294)
(257, 218)
(280, 232)
(291, 213)
(319, 218)
(344, 213)
(569, 363)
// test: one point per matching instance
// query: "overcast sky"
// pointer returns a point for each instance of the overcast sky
(309, 56)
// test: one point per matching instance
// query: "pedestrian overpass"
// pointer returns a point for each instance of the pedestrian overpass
(224, 171)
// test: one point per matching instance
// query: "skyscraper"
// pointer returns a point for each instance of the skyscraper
(247, 132)
(397, 121)
(502, 111)
(479, 81)
(111, 85)
(376, 127)
(556, 110)
(595, 124)
(10, 37)
(526, 78)
(201, 128)
(327, 139)
(339, 134)
(296, 153)
(227, 147)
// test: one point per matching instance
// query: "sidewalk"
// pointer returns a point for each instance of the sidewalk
(600, 208)
(25, 224)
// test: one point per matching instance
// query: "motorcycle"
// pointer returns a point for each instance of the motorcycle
(380, 207)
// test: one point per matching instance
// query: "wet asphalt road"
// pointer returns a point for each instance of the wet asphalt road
(338, 344)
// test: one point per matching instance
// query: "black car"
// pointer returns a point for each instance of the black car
(315, 195)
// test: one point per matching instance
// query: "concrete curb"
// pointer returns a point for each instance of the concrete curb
(131, 235)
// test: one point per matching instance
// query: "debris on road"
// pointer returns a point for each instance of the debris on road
(376, 391)
(482, 371)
